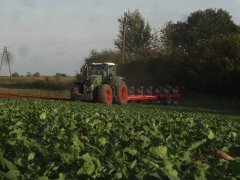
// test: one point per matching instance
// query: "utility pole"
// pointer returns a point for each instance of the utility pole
(5, 53)
(124, 22)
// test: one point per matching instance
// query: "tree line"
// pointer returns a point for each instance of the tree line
(201, 53)
(37, 74)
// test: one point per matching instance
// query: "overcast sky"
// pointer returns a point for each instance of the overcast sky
(50, 36)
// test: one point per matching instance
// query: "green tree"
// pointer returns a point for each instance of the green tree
(29, 74)
(36, 74)
(191, 36)
(207, 46)
(60, 75)
(137, 34)
(218, 69)
(15, 74)
(103, 56)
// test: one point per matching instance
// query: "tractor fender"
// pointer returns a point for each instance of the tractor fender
(119, 80)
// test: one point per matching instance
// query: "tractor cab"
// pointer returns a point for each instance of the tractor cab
(107, 71)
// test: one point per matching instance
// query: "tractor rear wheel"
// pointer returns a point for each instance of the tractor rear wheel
(122, 93)
(105, 94)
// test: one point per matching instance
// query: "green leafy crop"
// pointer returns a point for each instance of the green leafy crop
(72, 140)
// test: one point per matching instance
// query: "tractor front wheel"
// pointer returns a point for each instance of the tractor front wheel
(74, 93)
(105, 94)
(122, 93)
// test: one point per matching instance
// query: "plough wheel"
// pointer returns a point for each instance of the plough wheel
(105, 94)
(122, 93)
(168, 100)
(175, 101)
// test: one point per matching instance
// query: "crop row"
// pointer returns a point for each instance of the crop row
(56, 139)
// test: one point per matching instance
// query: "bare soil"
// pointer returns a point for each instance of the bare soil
(14, 94)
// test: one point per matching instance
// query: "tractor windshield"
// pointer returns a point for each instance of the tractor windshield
(97, 70)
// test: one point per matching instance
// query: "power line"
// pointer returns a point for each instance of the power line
(87, 34)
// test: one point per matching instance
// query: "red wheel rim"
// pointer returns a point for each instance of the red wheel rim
(108, 95)
(124, 94)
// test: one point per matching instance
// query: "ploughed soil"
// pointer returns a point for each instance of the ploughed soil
(30, 95)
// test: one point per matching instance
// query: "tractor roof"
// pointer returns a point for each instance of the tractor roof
(105, 63)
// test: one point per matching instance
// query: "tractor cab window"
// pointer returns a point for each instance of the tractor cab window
(94, 70)
(104, 71)
(108, 72)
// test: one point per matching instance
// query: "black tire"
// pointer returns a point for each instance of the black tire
(121, 93)
(105, 94)
(95, 94)
(74, 93)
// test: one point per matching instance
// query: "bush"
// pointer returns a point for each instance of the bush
(15, 74)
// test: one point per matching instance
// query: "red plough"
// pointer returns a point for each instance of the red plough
(168, 95)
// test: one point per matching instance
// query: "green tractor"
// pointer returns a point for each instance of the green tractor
(100, 83)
